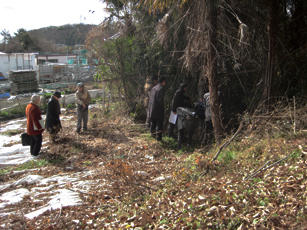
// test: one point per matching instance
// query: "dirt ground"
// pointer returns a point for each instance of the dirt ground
(121, 178)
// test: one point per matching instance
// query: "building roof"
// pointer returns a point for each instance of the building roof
(56, 55)
(1, 53)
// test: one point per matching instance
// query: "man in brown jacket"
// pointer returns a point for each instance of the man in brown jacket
(83, 100)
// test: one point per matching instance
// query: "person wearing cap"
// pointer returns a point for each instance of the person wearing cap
(179, 100)
(34, 125)
(83, 100)
(53, 122)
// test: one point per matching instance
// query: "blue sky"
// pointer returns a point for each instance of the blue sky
(34, 14)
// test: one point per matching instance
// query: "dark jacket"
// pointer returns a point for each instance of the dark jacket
(34, 116)
(180, 99)
(150, 103)
(53, 114)
(157, 94)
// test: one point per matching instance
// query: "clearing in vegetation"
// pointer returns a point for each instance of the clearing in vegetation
(115, 176)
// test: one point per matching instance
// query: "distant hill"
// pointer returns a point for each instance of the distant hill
(56, 39)
(67, 34)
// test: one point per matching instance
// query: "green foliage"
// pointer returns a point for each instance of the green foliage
(25, 40)
(296, 154)
(71, 106)
(169, 143)
(264, 201)
(172, 41)
(11, 132)
(103, 71)
(48, 95)
(67, 34)
(28, 165)
(227, 156)
(96, 100)
(15, 112)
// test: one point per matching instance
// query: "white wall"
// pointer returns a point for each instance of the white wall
(4, 64)
(17, 61)
(61, 59)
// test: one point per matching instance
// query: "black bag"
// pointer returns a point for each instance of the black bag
(200, 110)
(26, 139)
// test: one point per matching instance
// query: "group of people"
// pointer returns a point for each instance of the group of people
(155, 110)
(36, 126)
(155, 113)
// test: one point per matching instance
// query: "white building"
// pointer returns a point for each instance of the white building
(63, 59)
(17, 61)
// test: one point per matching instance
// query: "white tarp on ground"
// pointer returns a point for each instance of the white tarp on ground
(13, 125)
(13, 197)
(14, 155)
(11, 150)
(51, 190)
(62, 198)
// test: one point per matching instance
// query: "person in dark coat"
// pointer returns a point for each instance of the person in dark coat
(157, 112)
(179, 100)
(53, 122)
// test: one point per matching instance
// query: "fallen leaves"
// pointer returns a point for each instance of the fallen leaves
(135, 183)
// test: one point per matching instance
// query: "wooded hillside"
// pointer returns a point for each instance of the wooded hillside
(67, 34)
(250, 51)
(48, 39)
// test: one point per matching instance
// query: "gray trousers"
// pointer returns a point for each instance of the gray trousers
(82, 117)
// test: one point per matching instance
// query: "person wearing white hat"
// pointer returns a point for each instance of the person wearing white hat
(34, 125)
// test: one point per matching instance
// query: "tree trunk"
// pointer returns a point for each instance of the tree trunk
(212, 69)
(270, 71)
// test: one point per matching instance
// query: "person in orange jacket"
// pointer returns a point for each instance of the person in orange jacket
(35, 125)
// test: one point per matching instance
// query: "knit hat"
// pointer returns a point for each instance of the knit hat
(80, 84)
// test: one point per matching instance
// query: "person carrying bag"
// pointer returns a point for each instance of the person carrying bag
(35, 125)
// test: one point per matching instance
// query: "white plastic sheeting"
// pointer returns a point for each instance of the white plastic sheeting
(13, 197)
(28, 180)
(62, 198)
(16, 153)
(52, 190)
(13, 125)
(11, 150)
